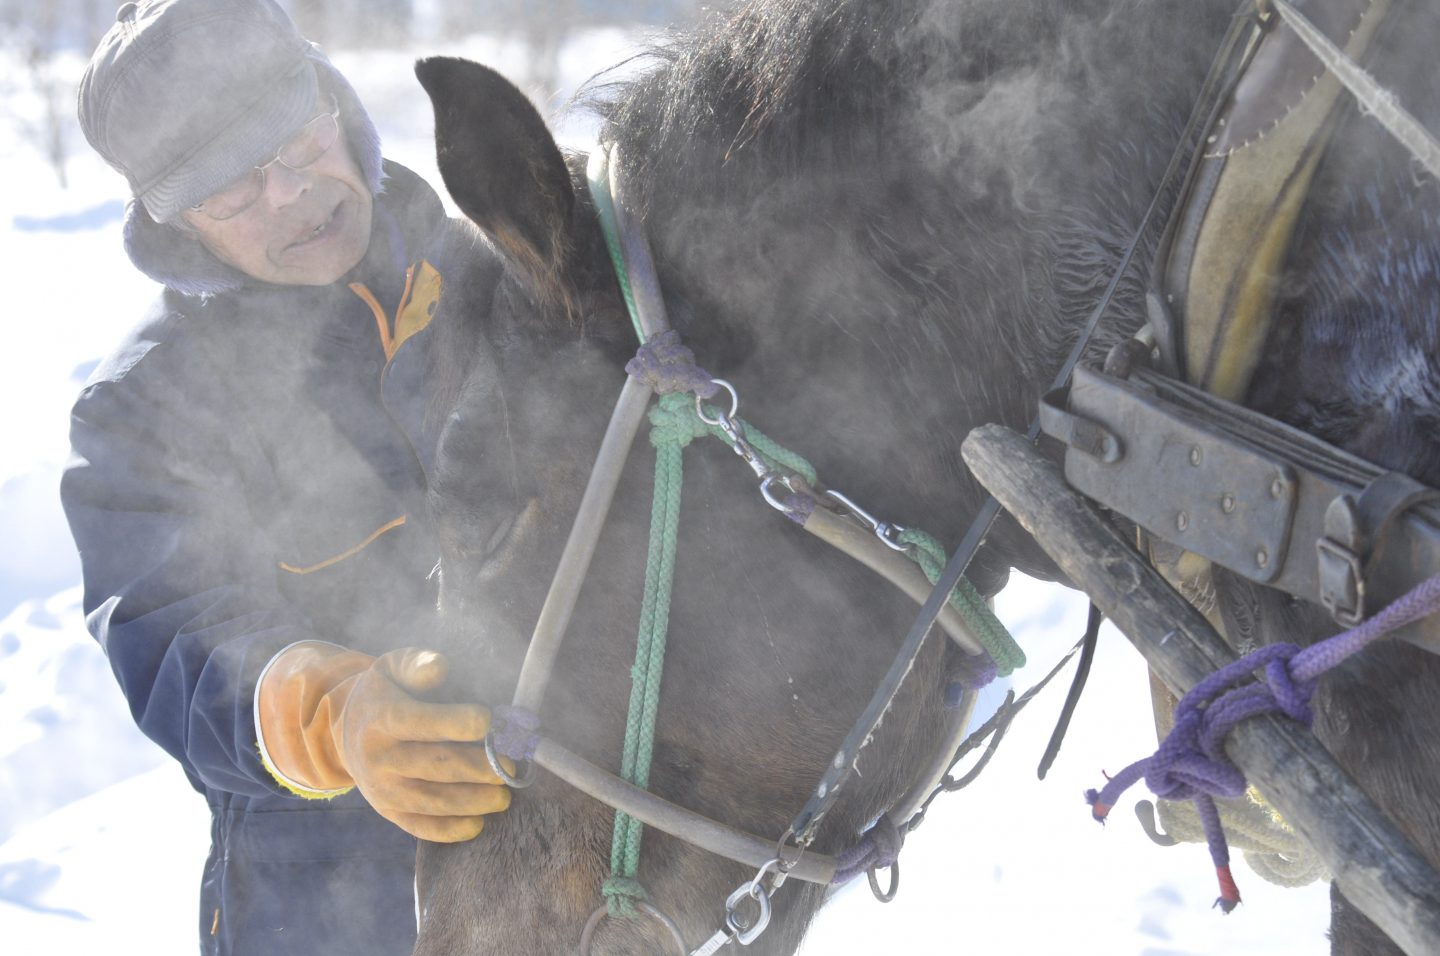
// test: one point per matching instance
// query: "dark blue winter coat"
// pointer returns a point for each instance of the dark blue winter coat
(250, 471)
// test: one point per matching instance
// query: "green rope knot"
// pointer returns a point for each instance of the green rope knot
(673, 421)
(621, 894)
(927, 552)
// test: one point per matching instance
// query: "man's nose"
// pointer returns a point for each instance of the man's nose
(284, 185)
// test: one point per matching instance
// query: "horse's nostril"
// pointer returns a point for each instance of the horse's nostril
(500, 533)
(508, 535)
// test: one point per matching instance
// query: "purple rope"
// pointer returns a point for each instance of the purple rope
(516, 732)
(972, 672)
(1191, 763)
(877, 849)
(798, 508)
(667, 365)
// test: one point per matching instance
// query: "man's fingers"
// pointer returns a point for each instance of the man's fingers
(436, 829)
(414, 669)
(440, 799)
(442, 763)
(417, 721)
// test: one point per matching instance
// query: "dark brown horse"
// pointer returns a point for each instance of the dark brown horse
(884, 222)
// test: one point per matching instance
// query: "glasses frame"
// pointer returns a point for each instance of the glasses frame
(333, 114)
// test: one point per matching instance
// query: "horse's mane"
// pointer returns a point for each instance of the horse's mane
(788, 83)
(786, 108)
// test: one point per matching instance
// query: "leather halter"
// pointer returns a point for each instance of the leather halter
(842, 532)
(546, 640)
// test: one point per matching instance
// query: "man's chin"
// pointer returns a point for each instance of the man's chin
(331, 250)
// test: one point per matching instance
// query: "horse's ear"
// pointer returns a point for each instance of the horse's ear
(501, 164)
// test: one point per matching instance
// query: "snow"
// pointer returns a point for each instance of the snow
(102, 840)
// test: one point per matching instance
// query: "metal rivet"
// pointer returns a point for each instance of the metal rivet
(1195, 455)
(1277, 488)
(1227, 503)
(1182, 521)
(1262, 558)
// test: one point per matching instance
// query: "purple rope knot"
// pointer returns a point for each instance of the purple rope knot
(798, 507)
(878, 848)
(667, 365)
(1291, 696)
(972, 672)
(515, 732)
(1191, 763)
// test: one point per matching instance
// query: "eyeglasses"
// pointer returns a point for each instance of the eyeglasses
(303, 149)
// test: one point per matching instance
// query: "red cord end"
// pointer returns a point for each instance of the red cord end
(1229, 892)
(1098, 810)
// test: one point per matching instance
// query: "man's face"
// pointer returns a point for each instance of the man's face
(310, 226)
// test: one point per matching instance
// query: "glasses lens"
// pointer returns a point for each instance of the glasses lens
(236, 197)
(311, 142)
(304, 148)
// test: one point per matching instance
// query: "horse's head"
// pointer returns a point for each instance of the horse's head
(775, 644)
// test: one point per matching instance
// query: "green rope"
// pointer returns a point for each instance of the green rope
(597, 171)
(669, 440)
(674, 420)
(928, 553)
(1271, 848)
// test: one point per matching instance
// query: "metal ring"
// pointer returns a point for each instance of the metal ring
(782, 871)
(747, 933)
(734, 404)
(527, 774)
(889, 894)
(775, 502)
(772, 863)
(587, 935)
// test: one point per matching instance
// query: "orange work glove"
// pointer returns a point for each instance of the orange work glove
(331, 718)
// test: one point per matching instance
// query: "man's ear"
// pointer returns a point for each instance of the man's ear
(501, 166)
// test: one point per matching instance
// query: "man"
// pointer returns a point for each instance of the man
(248, 486)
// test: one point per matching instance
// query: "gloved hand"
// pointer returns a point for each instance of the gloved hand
(332, 718)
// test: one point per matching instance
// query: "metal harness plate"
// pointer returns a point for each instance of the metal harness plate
(1182, 479)
(1264, 500)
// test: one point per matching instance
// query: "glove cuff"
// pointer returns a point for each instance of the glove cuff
(298, 691)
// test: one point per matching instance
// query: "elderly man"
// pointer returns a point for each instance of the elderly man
(248, 486)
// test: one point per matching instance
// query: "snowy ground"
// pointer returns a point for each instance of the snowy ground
(102, 841)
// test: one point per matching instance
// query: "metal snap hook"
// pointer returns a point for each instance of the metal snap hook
(887, 532)
(890, 534)
(527, 768)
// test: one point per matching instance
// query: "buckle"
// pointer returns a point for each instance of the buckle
(1342, 584)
